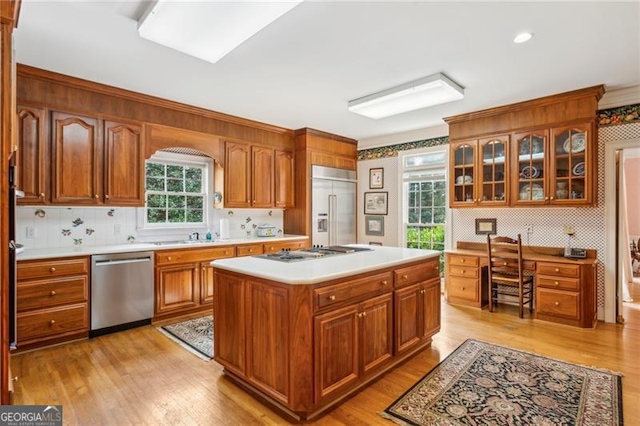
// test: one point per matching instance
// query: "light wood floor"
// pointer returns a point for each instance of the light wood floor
(141, 377)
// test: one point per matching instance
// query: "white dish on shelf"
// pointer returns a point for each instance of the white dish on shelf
(529, 172)
(576, 144)
(578, 169)
(534, 192)
(464, 179)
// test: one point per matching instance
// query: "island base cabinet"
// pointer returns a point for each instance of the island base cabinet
(350, 342)
(229, 324)
(267, 342)
(417, 310)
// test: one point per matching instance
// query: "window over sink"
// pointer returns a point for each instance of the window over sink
(177, 188)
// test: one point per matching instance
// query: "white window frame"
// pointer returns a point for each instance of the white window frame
(444, 149)
(183, 160)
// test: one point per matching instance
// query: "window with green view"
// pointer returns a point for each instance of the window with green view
(175, 193)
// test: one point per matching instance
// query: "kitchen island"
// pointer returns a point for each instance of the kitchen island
(305, 333)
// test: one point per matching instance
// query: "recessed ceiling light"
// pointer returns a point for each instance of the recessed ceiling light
(522, 37)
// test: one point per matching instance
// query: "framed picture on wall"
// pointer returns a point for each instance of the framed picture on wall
(375, 203)
(376, 178)
(486, 226)
(374, 225)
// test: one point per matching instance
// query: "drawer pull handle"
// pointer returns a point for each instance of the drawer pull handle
(384, 283)
(556, 283)
(557, 269)
(226, 252)
(332, 297)
(461, 288)
(463, 272)
(557, 303)
(250, 250)
(168, 257)
(52, 269)
(461, 260)
(404, 277)
(53, 293)
(52, 322)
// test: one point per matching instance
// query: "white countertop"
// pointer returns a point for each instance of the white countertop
(47, 253)
(325, 268)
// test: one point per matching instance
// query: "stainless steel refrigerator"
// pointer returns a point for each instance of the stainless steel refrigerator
(333, 206)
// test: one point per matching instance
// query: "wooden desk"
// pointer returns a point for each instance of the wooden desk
(565, 289)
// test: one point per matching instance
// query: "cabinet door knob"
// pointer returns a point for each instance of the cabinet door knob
(359, 314)
(423, 291)
(52, 269)
(106, 197)
(42, 195)
(557, 303)
(203, 269)
(96, 196)
(364, 314)
(332, 297)
(52, 322)
(14, 379)
(551, 198)
(53, 293)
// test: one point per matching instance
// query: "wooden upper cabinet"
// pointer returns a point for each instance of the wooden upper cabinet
(284, 179)
(262, 177)
(32, 155)
(237, 179)
(77, 159)
(124, 164)
(257, 176)
(550, 150)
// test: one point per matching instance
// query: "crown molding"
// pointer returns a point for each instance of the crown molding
(620, 97)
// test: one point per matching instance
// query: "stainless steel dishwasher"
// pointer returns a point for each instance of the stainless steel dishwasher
(121, 291)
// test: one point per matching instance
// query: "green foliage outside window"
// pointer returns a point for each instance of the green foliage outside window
(175, 193)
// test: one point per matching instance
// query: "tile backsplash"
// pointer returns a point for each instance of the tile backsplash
(52, 226)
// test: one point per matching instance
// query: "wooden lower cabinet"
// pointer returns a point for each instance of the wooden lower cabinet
(184, 280)
(306, 347)
(350, 342)
(418, 314)
(52, 301)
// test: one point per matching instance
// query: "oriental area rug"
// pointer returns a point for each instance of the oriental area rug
(195, 335)
(485, 384)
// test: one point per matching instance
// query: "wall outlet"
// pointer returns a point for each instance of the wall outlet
(529, 229)
(116, 229)
(31, 232)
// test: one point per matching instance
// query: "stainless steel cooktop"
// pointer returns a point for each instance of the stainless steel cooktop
(312, 253)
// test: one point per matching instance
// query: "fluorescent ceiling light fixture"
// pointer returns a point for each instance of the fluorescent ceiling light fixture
(522, 37)
(208, 29)
(428, 91)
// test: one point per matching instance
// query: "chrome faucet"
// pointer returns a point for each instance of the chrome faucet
(194, 236)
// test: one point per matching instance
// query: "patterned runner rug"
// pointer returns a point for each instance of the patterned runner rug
(195, 335)
(485, 384)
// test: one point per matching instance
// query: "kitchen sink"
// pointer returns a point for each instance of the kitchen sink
(173, 243)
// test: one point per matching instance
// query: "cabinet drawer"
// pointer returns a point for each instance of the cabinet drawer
(564, 269)
(352, 290)
(463, 288)
(249, 250)
(463, 271)
(456, 259)
(558, 283)
(276, 247)
(417, 273)
(40, 294)
(559, 303)
(49, 322)
(190, 255)
(52, 268)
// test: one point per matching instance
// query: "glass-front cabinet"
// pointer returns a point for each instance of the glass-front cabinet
(530, 152)
(462, 161)
(493, 176)
(573, 160)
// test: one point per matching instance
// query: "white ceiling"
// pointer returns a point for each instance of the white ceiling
(301, 70)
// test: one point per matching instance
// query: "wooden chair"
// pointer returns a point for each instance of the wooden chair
(507, 280)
